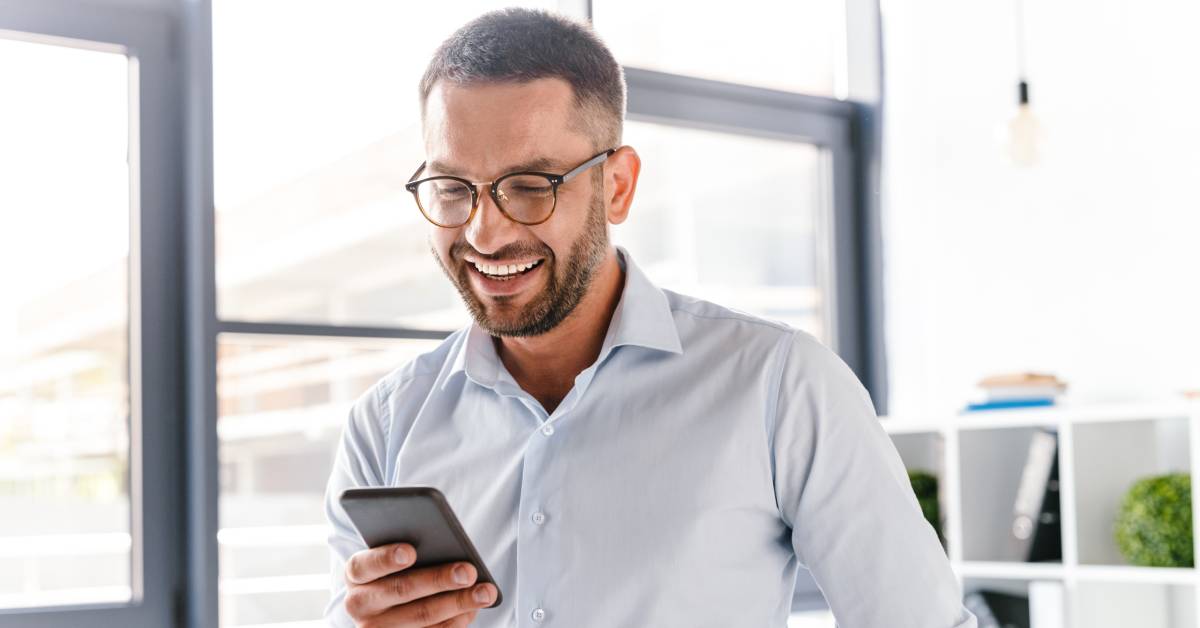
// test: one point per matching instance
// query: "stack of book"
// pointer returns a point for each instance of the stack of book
(1018, 390)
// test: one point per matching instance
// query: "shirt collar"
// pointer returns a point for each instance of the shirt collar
(643, 318)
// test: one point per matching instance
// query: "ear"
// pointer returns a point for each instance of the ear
(621, 175)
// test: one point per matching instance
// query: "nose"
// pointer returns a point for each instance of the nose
(490, 229)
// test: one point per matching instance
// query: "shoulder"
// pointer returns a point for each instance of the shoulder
(414, 379)
(799, 359)
(703, 323)
(695, 313)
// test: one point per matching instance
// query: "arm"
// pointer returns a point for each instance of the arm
(844, 492)
(358, 462)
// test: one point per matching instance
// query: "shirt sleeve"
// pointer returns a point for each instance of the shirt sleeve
(358, 462)
(844, 492)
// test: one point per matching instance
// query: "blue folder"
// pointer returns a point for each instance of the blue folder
(1004, 404)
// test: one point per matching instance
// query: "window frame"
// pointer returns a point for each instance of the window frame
(155, 326)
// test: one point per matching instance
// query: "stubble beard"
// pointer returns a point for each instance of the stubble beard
(561, 294)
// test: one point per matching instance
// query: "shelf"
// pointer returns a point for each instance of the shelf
(980, 458)
(1084, 573)
(1006, 570)
(1046, 416)
(1124, 573)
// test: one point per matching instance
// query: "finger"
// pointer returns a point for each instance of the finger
(376, 562)
(411, 585)
(458, 621)
(443, 606)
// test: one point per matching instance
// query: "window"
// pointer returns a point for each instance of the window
(88, 344)
(174, 375)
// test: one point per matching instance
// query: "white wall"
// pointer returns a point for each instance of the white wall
(1086, 265)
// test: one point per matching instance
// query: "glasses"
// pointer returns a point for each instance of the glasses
(525, 197)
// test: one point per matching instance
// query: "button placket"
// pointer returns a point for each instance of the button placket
(534, 562)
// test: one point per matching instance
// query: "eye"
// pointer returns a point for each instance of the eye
(450, 190)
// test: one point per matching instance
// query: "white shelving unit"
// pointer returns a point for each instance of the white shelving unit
(978, 459)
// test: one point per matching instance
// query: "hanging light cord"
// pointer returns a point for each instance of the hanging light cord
(1023, 82)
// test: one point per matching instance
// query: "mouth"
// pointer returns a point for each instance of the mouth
(504, 280)
(505, 272)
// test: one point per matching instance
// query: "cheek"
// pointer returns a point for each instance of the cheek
(554, 238)
(440, 240)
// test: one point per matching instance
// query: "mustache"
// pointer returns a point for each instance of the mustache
(508, 251)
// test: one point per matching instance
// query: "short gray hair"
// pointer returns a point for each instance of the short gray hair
(521, 45)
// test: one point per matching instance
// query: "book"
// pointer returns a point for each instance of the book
(1017, 390)
(1006, 404)
(1036, 527)
(1021, 379)
(996, 393)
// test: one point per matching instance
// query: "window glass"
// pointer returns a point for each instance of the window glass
(793, 46)
(64, 326)
(282, 404)
(737, 220)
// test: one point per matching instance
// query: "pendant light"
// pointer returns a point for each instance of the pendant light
(1023, 131)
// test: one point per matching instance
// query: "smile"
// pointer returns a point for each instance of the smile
(505, 271)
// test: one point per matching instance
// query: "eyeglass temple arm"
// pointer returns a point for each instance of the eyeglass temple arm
(587, 164)
(414, 175)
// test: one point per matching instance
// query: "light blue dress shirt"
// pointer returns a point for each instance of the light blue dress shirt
(692, 469)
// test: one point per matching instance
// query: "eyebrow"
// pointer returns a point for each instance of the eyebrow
(542, 164)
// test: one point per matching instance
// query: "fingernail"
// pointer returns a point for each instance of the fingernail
(401, 555)
(483, 594)
(460, 574)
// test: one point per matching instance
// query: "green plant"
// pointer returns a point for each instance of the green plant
(925, 485)
(1154, 524)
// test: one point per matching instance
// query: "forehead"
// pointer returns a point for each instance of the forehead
(482, 130)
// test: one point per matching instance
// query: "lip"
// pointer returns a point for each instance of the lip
(503, 287)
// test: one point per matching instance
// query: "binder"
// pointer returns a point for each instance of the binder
(1036, 528)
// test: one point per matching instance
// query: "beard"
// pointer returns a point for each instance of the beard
(565, 285)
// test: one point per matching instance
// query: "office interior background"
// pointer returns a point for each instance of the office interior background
(207, 253)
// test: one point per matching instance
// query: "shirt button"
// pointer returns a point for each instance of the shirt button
(547, 429)
(539, 518)
(538, 614)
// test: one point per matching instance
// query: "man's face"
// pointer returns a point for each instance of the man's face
(481, 132)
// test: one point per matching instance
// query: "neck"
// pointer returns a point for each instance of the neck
(546, 365)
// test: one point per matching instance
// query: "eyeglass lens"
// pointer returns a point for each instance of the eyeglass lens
(525, 198)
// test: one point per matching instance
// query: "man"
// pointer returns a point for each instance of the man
(620, 455)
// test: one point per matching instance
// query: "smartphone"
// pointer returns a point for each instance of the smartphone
(420, 516)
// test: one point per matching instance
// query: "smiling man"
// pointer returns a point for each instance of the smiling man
(620, 455)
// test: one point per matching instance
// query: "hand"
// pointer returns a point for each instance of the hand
(383, 593)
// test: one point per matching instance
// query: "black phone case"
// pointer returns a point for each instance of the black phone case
(420, 516)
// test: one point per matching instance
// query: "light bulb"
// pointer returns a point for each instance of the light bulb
(1024, 131)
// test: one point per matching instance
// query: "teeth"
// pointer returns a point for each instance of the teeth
(504, 269)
